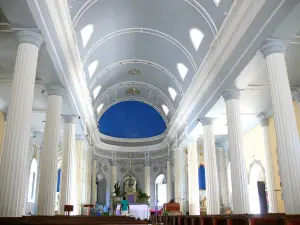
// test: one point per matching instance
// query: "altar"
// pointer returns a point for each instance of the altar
(137, 210)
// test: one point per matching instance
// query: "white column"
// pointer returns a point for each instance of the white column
(147, 178)
(169, 180)
(113, 176)
(240, 199)
(68, 171)
(211, 175)
(221, 154)
(88, 176)
(269, 168)
(94, 185)
(15, 148)
(194, 199)
(285, 124)
(179, 171)
(49, 157)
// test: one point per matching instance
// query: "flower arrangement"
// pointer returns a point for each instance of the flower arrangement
(142, 196)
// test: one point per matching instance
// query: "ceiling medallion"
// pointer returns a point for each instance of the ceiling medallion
(132, 91)
(134, 72)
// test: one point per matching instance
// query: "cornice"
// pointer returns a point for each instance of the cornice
(132, 140)
(147, 148)
(61, 45)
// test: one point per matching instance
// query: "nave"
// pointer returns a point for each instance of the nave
(188, 109)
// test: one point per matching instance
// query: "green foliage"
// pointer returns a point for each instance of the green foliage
(165, 213)
(117, 190)
(142, 196)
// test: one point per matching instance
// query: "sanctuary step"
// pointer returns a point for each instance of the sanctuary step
(70, 220)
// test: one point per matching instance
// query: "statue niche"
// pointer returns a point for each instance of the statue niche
(129, 185)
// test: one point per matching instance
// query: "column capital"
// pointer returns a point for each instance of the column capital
(263, 119)
(80, 136)
(55, 90)
(232, 94)
(70, 118)
(273, 46)
(206, 121)
(147, 164)
(30, 37)
(5, 116)
(296, 94)
(113, 163)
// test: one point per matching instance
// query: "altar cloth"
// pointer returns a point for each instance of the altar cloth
(136, 210)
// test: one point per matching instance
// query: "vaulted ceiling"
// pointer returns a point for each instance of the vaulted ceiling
(143, 50)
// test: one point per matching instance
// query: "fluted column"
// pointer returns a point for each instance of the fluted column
(113, 176)
(94, 185)
(88, 175)
(221, 155)
(68, 170)
(2, 128)
(212, 185)
(147, 178)
(179, 176)
(269, 168)
(49, 157)
(194, 198)
(15, 147)
(240, 199)
(285, 124)
(169, 180)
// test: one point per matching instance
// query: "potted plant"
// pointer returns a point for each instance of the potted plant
(142, 196)
(117, 191)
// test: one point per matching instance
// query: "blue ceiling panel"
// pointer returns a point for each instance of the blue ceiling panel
(131, 119)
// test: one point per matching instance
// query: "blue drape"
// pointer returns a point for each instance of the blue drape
(201, 177)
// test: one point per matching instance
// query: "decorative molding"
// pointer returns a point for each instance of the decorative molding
(98, 76)
(206, 121)
(134, 72)
(232, 94)
(272, 46)
(70, 118)
(57, 90)
(257, 162)
(30, 37)
(141, 30)
(141, 85)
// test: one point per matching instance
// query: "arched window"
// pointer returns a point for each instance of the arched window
(196, 37)
(173, 93)
(201, 177)
(92, 68)
(217, 2)
(182, 70)
(161, 189)
(96, 91)
(32, 181)
(166, 109)
(86, 34)
(99, 108)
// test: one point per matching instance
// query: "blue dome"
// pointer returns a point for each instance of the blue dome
(131, 119)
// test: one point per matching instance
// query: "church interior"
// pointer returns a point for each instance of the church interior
(186, 111)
